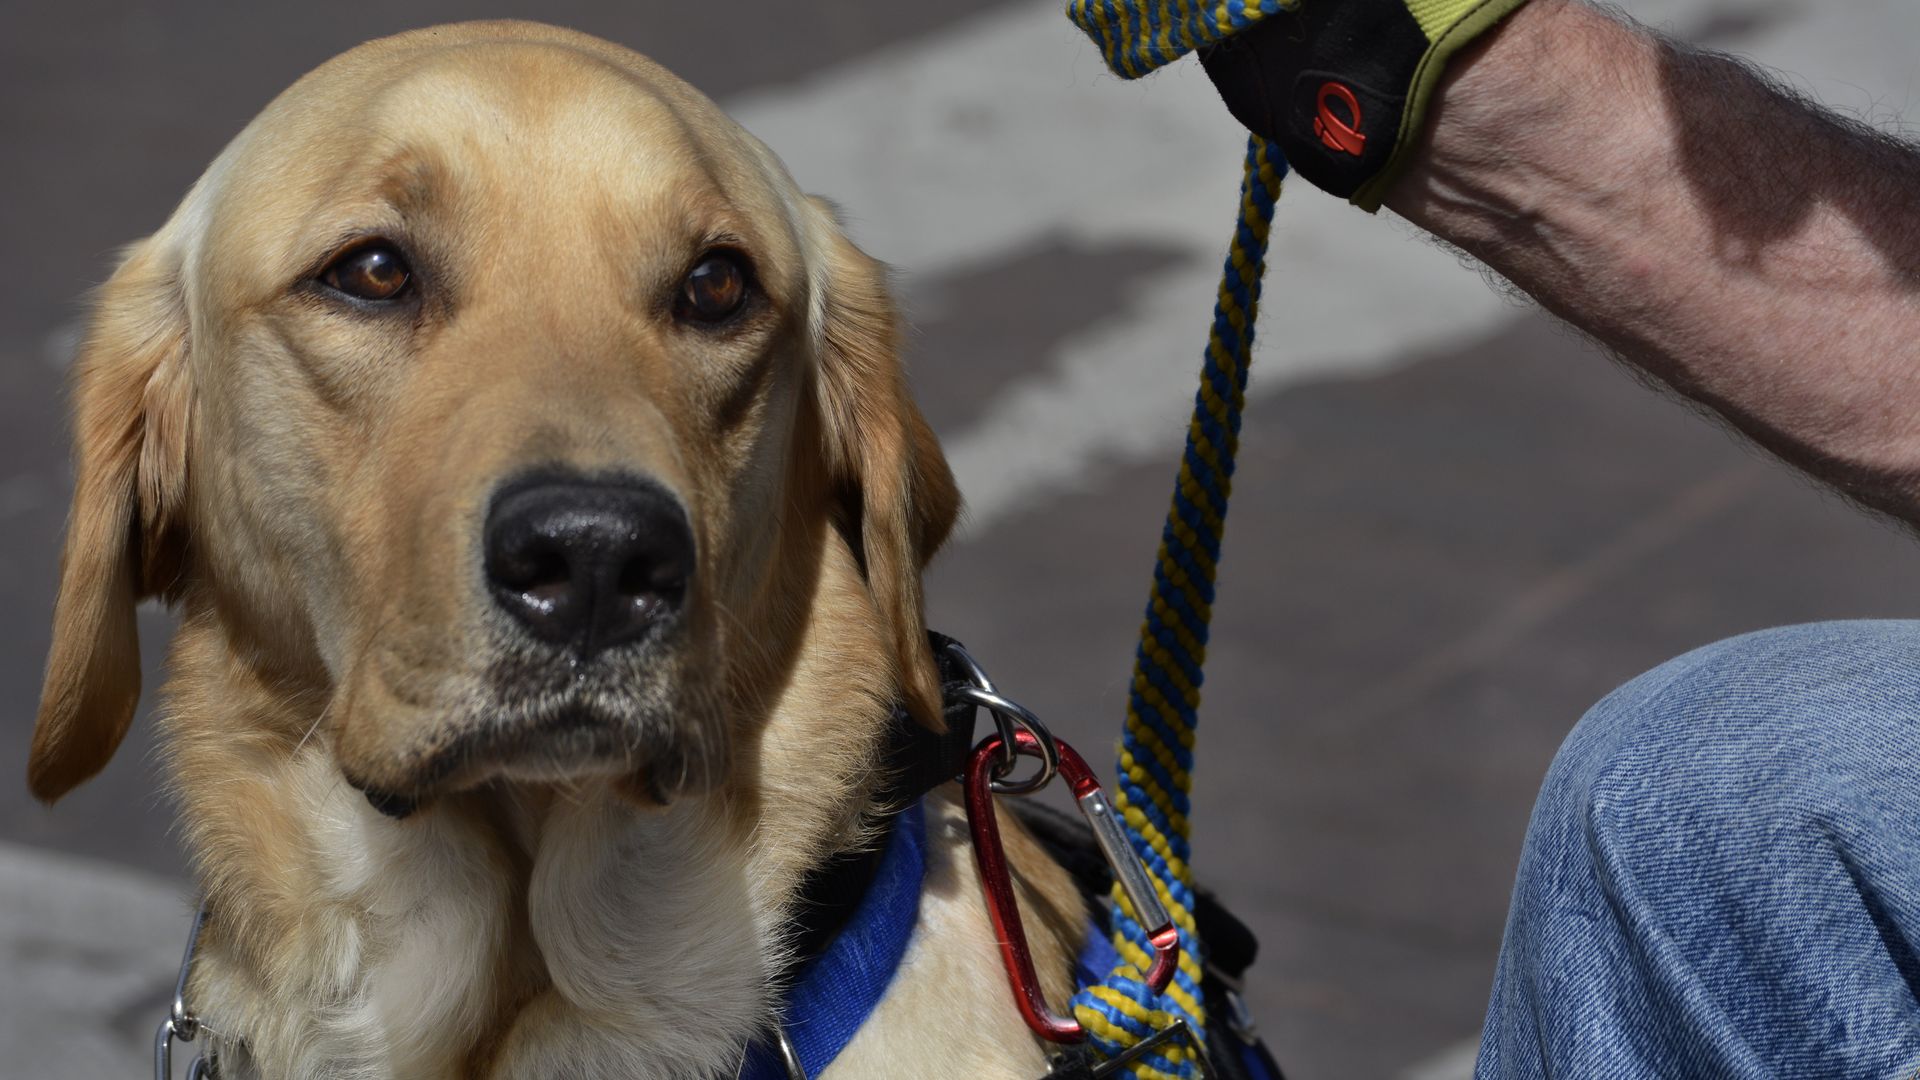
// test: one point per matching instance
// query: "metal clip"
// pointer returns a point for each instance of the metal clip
(1004, 908)
(1009, 716)
(1014, 719)
(789, 1054)
(1078, 1064)
(1176, 1031)
(180, 1023)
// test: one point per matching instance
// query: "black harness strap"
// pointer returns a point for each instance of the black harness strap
(917, 761)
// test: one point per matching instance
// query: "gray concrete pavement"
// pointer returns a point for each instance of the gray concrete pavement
(1453, 529)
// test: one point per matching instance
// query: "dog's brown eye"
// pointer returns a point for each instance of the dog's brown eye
(369, 272)
(714, 289)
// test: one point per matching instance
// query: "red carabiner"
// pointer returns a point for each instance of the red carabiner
(1004, 907)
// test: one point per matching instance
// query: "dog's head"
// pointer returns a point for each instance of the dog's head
(482, 384)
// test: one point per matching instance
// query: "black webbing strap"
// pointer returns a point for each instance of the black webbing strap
(917, 761)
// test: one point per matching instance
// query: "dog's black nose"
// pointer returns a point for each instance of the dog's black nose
(587, 563)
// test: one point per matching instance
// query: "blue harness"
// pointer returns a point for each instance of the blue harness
(835, 992)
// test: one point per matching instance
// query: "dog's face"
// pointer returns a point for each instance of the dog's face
(490, 382)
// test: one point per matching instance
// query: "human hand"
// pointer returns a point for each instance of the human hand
(1342, 86)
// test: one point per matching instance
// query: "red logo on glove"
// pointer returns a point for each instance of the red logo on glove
(1335, 132)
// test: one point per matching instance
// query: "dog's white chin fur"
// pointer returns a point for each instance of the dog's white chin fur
(645, 921)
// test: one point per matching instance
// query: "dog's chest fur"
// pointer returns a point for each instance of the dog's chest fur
(622, 943)
(632, 948)
(565, 934)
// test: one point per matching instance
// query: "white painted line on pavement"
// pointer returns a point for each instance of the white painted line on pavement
(1454, 1063)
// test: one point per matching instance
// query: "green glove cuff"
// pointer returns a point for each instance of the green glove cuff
(1451, 25)
(1343, 86)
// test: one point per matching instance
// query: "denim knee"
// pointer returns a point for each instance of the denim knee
(1742, 741)
(1779, 720)
(1722, 875)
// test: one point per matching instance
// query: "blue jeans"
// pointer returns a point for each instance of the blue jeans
(1722, 874)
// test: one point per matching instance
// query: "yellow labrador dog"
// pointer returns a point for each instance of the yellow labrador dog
(532, 469)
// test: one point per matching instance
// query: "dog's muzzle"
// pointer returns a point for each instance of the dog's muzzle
(588, 564)
(589, 578)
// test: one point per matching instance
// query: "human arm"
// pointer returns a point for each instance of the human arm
(1758, 255)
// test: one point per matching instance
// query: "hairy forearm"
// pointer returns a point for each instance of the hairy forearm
(1757, 255)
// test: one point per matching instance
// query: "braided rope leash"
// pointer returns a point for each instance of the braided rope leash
(1136, 37)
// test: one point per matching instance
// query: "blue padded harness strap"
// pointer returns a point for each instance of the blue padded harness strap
(836, 992)
(1097, 957)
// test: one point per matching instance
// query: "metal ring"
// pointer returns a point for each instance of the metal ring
(1010, 716)
(185, 1024)
(975, 673)
(789, 1055)
(163, 1051)
(180, 1025)
(978, 677)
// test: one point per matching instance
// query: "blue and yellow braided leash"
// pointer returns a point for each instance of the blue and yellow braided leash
(1136, 37)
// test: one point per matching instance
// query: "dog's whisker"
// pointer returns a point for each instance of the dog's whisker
(320, 718)
(571, 793)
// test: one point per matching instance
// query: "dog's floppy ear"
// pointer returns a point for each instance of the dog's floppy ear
(131, 409)
(893, 481)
